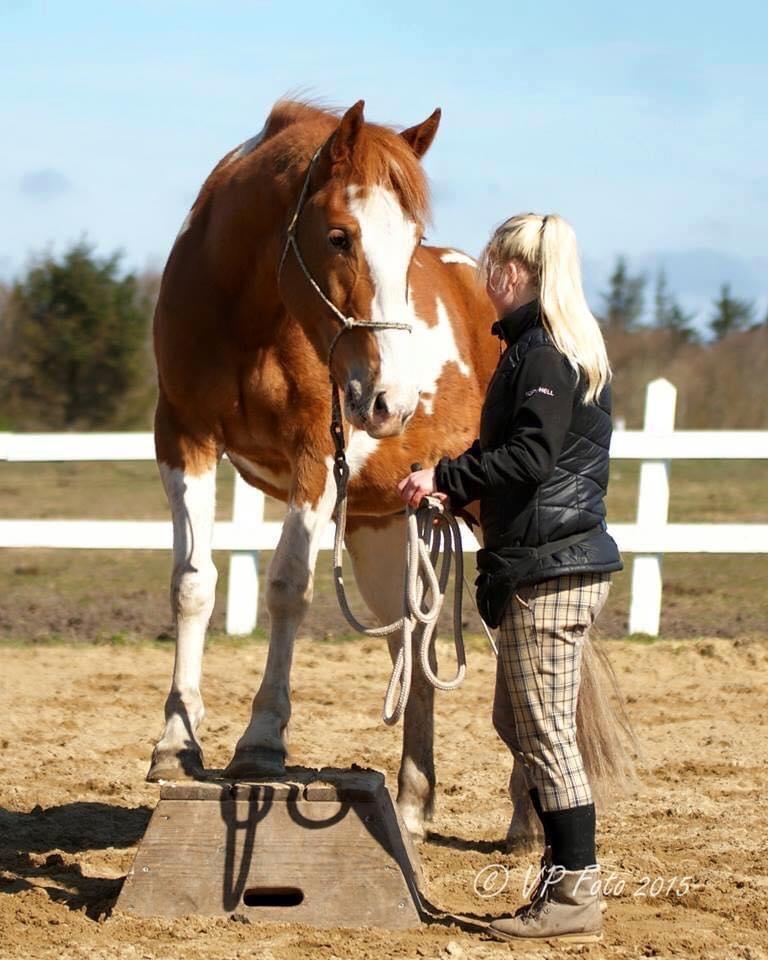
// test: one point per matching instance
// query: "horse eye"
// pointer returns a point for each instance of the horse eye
(338, 238)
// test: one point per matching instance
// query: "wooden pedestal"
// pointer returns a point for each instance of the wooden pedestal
(324, 847)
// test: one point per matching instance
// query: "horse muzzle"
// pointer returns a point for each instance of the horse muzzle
(384, 413)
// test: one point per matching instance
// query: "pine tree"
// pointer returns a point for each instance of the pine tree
(662, 300)
(623, 302)
(73, 344)
(668, 314)
(730, 313)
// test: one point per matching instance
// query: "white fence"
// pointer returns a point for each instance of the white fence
(649, 538)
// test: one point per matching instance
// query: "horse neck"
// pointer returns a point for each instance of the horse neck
(249, 244)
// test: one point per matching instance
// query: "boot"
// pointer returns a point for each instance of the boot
(547, 862)
(545, 865)
(562, 907)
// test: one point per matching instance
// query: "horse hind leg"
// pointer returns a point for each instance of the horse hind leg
(191, 490)
(525, 832)
(378, 558)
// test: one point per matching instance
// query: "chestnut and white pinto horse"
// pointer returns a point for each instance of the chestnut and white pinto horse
(244, 327)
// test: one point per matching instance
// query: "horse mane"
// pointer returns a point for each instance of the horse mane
(287, 111)
(380, 156)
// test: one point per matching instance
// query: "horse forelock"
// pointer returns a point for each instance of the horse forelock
(382, 158)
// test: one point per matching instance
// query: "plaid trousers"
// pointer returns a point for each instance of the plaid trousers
(538, 671)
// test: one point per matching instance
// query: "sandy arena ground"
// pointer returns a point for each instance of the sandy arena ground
(77, 729)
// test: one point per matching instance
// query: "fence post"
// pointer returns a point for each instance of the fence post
(652, 511)
(243, 589)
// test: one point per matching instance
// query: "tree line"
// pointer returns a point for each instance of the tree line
(75, 348)
(721, 379)
(623, 307)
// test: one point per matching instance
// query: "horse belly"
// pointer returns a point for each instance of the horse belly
(268, 472)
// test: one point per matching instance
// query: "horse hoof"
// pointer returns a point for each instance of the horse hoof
(413, 820)
(255, 763)
(523, 841)
(176, 765)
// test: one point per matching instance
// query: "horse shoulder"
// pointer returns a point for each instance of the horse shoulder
(454, 285)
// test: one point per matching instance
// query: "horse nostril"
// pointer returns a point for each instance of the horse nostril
(380, 404)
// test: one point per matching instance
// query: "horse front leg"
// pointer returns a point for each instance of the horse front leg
(188, 472)
(378, 559)
(262, 749)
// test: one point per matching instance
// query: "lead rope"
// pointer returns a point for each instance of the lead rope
(430, 527)
(486, 629)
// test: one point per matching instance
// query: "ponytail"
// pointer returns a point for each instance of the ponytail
(547, 246)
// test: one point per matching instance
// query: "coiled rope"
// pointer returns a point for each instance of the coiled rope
(430, 528)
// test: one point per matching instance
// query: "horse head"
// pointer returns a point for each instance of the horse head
(357, 226)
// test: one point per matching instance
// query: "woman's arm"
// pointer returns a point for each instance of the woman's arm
(543, 396)
(421, 483)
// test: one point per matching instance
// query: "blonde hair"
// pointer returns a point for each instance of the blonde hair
(547, 247)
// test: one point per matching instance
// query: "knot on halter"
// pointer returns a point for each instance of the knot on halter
(348, 323)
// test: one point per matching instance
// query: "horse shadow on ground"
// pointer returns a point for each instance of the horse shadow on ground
(33, 846)
(464, 844)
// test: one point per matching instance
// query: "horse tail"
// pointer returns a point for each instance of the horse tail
(605, 735)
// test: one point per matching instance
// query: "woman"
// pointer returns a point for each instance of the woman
(540, 471)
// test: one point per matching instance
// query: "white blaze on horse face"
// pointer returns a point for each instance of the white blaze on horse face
(388, 239)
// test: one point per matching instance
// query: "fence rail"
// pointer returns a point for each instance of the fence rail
(649, 538)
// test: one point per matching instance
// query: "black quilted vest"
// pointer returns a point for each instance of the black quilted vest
(567, 505)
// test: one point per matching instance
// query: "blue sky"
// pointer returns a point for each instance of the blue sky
(646, 125)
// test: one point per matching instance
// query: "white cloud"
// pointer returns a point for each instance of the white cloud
(45, 184)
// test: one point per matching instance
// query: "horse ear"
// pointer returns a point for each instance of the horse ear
(343, 140)
(421, 136)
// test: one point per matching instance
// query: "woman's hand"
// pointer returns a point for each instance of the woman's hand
(416, 486)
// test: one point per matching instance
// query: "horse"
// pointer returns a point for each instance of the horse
(302, 261)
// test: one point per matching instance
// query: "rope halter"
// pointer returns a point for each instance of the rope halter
(347, 323)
